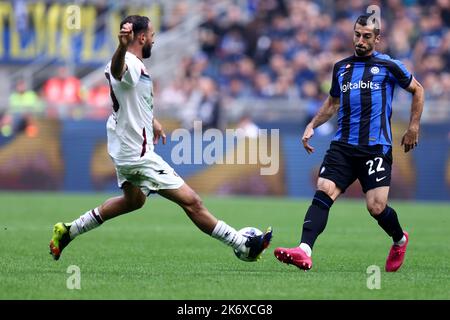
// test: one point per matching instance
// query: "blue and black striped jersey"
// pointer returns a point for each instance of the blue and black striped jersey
(365, 86)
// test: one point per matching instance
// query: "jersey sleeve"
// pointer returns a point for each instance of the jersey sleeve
(133, 72)
(335, 90)
(401, 75)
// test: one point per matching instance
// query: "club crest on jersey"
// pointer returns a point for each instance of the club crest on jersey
(374, 70)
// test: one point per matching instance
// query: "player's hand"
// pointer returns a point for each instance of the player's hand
(158, 132)
(126, 34)
(410, 139)
(309, 132)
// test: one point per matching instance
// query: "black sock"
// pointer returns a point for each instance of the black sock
(388, 220)
(316, 217)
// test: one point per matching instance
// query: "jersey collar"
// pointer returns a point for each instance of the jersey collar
(365, 58)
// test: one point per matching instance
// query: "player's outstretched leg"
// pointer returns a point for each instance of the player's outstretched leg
(64, 233)
(191, 203)
(257, 244)
(60, 239)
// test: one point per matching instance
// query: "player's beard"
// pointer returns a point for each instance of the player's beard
(147, 51)
(362, 51)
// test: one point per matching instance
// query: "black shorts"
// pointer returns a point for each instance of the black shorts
(344, 163)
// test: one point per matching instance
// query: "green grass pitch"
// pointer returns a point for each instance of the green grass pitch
(157, 253)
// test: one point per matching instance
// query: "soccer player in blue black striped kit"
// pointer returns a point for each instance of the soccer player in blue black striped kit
(361, 92)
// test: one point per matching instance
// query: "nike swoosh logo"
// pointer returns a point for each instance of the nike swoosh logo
(343, 73)
(379, 179)
(306, 221)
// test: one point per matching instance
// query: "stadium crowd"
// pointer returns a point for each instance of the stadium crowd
(285, 49)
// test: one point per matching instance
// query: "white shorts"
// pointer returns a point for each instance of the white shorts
(150, 175)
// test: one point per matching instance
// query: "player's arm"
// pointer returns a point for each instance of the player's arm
(158, 132)
(411, 137)
(118, 66)
(328, 109)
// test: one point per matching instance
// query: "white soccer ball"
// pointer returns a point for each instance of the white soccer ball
(247, 232)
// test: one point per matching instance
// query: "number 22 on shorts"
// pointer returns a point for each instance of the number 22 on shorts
(378, 168)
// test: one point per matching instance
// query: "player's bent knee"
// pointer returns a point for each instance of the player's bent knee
(327, 186)
(376, 207)
(140, 201)
(133, 196)
(136, 202)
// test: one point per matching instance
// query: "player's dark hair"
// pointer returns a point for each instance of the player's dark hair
(365, 19)
(140, 23)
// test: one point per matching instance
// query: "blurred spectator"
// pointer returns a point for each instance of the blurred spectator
(248, 129)
(444, 6)
(204, 105)
(98, 102)
(246, 69)
(311, 96)
(445, 78)
(431, 31)
(177, 15)
(277, 64)
(174, 95)
(264, 88)
(209, 32)
(237, 89)
(435, 87)
(232, 46)
(280, 28)
(62, 93)
(284, 86)
(301, 64)
(24, 100)
(400, 39)
(445, 50)
(24, 106)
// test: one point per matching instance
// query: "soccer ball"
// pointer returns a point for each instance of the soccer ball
(247, 232)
